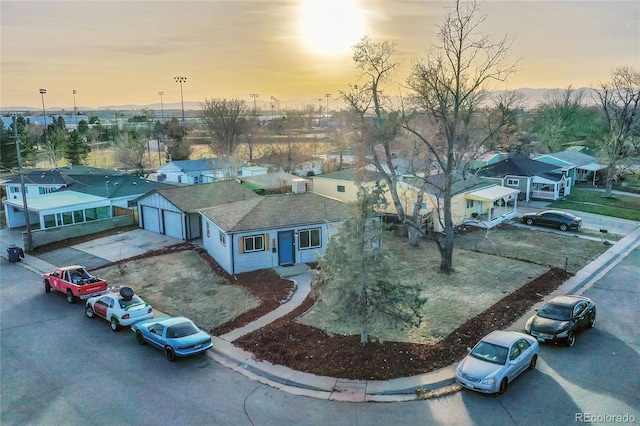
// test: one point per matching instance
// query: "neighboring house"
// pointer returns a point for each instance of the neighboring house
(343, 185)
(306, 167)
(75, 201)
(175, 211)
(577, 166)
(340, 159)
(41, 182)
(57, 210)
(275, 183)
(203, 170)
(483, 204)
(534, 179)
(268, 231)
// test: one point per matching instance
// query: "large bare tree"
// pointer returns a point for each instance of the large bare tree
(376, 62)
(227, 121)
(450, 86)
(619, 98)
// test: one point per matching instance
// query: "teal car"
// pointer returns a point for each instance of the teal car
(176, 336)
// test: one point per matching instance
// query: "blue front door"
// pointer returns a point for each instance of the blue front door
(285, 248)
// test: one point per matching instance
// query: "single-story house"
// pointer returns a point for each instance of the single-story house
(534, 179)
(269, 231)
(57, 209)
(487, 159)
(41, 182)
(175, 211)
(577, 166)
(343, 185)
(202, 170)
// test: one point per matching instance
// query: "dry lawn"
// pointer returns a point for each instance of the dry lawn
(492, 266)
(182, 283)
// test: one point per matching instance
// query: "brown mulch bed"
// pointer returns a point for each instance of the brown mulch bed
(309, 349)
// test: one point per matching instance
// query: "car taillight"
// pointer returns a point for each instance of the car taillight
(150, 310)
(126, 316)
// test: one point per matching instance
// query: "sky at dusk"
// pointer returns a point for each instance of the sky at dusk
(125, 52)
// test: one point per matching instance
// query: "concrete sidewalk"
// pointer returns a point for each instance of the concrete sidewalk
(330, 388)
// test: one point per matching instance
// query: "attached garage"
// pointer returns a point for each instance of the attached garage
(151, 219)
(173, 226)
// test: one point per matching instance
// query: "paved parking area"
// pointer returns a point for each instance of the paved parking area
(126, 244)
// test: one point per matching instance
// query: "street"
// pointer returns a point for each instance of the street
(59, 367)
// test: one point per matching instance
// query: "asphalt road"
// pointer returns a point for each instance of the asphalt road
(59, 367)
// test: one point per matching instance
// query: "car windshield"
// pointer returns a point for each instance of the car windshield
(183, 329)
(134, 301)
(490, 352)
(555, 312)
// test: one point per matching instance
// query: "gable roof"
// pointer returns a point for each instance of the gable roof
(195, 197)
(112, 186)
(277, 211)
(520, 166)
(56, 200)
(571, 157)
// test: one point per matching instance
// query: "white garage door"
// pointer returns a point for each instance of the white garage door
(151, 219)
(172, 224)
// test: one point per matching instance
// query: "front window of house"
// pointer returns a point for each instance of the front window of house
(253, 243)
(309, 238)
(470, 204)
(513, 182)
(341, 188)
(221, 238)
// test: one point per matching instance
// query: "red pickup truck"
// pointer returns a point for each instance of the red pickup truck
(75, 282)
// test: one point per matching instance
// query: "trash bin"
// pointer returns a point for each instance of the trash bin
(14, 253)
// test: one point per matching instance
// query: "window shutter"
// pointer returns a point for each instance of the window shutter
(241, 247)
(266, 241)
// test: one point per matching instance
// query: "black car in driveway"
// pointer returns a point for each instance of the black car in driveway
(554, 218)
(560, 318)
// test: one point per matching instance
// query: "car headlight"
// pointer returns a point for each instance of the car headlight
(563, 334)
(487, 381)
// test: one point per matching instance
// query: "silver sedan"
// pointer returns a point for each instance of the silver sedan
(496, 360)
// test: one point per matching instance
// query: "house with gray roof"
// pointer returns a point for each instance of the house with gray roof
(271, 230)
(174, 211)
(535, 179)
(193, 172)
(577, 166)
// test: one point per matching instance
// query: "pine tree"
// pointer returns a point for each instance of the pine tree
(356, 272)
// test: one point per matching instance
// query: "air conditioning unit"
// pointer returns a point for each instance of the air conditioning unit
(299, 186)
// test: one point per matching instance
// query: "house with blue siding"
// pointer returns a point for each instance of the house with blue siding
(193, 172)
(577, 166)
(271, 230)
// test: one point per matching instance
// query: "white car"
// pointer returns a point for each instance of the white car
(496, 360)
(121, 308)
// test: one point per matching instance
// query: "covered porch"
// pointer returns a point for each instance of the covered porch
(495, 205)
(547, 189)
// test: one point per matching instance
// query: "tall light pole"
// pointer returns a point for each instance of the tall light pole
(75, 110)
(327, 96)
(29, 245)
(44, 114)
(181, 79)
(161, 94)
(254, 96)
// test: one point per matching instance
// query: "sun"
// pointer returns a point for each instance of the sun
(331, 27)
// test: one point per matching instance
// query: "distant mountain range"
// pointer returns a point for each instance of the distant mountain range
(533, 98)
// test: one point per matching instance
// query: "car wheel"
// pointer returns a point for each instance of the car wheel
(88, 311)
(564, 227)
(47, 287)
(139, 337)
(503, 386)
(592, 320)
(571, 339)
(533, 362)
(70, 297)
(529, 221)
(170, 353)
(115, 325)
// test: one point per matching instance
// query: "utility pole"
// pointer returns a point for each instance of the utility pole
(29, 244)
(160, 139)
(75, 110)
(181, 79)
(254, 96)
